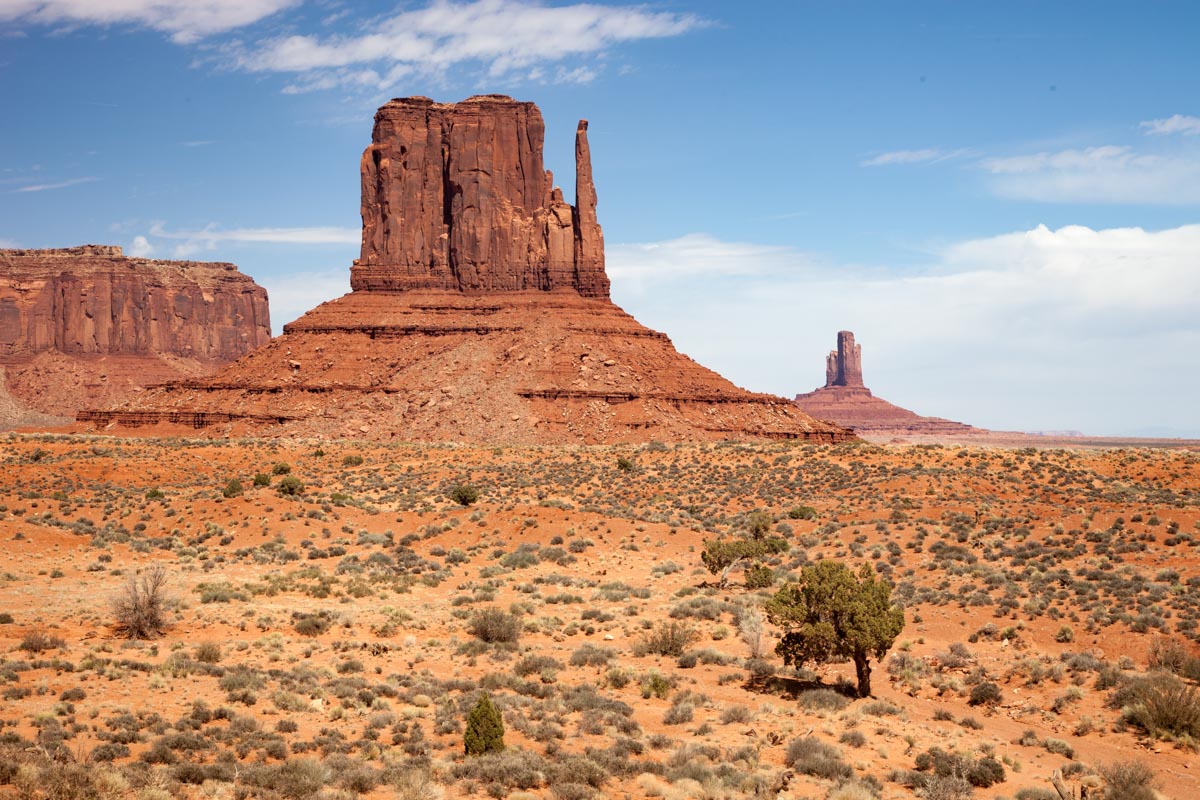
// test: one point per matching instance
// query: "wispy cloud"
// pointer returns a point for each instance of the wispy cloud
(293, 294)
(45, 187)
(185, 22)
(1177, 123)
(199, 143)
(500, 36)
(1105, 174)
(207, 238)
(931, 155)
(7, 243)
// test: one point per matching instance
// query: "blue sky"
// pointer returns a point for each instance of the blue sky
(1002, 200)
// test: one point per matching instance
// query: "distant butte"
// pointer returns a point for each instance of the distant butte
(480, 312)
(845, 401)
(87, 325)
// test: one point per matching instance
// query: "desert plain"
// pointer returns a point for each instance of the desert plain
(334, 610)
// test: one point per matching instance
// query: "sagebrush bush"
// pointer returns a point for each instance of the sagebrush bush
(1128, 780)
(670, 638)
(141, 607)
(811, 756)
(494, 625)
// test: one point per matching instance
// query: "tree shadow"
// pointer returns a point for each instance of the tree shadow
(787, 688)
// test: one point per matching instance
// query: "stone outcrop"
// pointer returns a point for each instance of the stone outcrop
(479, 312)
(843, 366)
(455, 196)
(82, 324)
(845, 401)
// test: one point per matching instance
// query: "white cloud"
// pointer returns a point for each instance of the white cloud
(199, 143)
(185, 20)
(45, 187)
(927, 156)
(1106, 174)
(1040, 329)
(502, 36)
(1177, 123)
(141, 247)
(207, 238)
(8, 243)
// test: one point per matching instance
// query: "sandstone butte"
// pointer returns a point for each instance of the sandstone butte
(479, 311)
(845, 401)
(87, 325)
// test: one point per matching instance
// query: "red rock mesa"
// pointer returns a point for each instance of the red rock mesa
(479, 312)
(82, 325)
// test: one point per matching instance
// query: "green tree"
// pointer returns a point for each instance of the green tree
(720, 556)
(485, 728)
(831, 615)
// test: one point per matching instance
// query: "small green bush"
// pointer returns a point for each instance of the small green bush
(811, 756)
(233, 488)
(485, 728)
(669, 638)
(464, 494)
(985, 694)
(262, 479)
(290, 486)
(281, 468)
(494, 625)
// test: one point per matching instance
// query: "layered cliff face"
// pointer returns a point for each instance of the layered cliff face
(82, 324)
(479, 312)
(845, 401)
(455, 196)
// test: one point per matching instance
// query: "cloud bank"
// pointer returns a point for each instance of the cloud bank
(1035, 329)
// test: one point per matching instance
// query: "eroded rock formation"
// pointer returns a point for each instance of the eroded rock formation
(479, 312)
(455, 196)
(845, 401)
(84, 324)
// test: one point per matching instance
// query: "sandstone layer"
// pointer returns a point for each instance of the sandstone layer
(84, 325)
(479, 312)
(845, 401)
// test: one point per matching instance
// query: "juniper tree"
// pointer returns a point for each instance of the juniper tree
(831, 615)
(485, 728)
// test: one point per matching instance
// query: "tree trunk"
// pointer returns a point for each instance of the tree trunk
(863, 668)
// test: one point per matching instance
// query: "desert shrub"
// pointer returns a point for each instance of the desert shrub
(281, 468)
(352, 460)
(1033, 793)
(207, 653)
(947, 787)
(38, 641)
(6, 618)
(852, 738)
(982, 772)
(504, 771)
(464, 494)
(1065, 635)
(670, 638)
(759, 576)
(736, 714)
(233, 488)
(802, 512)
(1128, 780)
(485, 728)
(822, 700)
(624, 464)
(811, 756)
(295, 779)
(531, 664)
(1162, 705)
(590, 655)
(985, 694)
(262, 479)
(141, 607)
(290, 486)
(307, 624)
(494, 625)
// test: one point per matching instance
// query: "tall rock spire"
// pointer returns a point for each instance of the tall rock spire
(843, 367)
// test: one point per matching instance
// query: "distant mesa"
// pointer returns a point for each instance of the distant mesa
(87, 325)
(845, 401)
(479, 311)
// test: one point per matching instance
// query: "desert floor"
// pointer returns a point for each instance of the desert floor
(332, 641)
